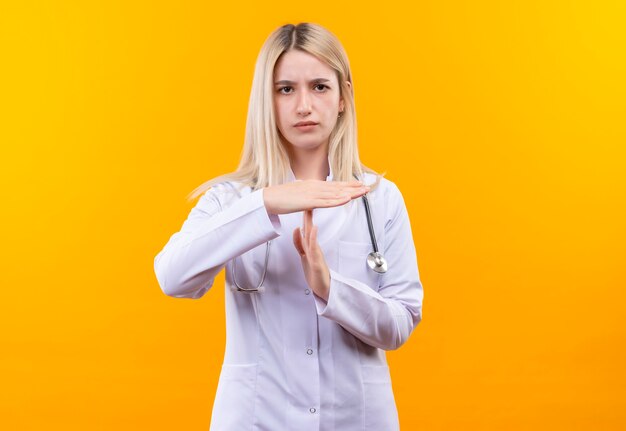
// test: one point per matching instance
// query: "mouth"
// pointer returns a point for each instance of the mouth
(306, 124)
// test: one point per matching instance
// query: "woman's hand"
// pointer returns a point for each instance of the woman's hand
(304, 195)
(313, 262)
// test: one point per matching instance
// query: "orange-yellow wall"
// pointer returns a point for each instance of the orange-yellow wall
(501, 122)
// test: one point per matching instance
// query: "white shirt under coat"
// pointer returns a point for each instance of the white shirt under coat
(292, 360)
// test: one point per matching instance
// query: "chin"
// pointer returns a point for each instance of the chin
(307, 145)
(310, 143)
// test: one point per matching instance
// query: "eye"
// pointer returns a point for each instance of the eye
(280, 90)
(322, 85)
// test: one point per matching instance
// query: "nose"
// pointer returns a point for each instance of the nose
(304, 103)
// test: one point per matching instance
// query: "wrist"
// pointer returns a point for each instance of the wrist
(325, 289)
(268, 207)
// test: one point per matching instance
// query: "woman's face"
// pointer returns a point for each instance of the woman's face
(305, 89)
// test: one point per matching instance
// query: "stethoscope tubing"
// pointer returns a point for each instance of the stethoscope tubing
(369, 223)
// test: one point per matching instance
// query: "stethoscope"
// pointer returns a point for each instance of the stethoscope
(375, 260)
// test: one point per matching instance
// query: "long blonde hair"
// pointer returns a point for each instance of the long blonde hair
(264, 160)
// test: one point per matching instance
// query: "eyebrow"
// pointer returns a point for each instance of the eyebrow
(287, 82)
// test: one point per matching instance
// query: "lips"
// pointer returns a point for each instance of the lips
(306, 123)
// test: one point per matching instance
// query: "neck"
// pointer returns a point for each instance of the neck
(309, 164)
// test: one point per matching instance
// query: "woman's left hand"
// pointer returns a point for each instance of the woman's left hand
(313, 261)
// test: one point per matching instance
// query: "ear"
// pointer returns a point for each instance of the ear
(341, 103)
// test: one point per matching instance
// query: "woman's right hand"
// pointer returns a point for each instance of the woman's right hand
(303, 195)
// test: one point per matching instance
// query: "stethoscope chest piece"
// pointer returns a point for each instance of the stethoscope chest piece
(377, 262)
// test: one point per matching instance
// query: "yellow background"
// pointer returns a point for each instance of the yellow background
(501, 122)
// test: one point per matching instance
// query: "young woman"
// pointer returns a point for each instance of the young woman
(321, 270)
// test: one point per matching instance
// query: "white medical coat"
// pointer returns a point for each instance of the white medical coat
(292, 360)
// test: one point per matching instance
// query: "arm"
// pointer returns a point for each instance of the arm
(187, 265)
(383, 319)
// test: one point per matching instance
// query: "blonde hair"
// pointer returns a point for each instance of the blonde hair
(264, 160)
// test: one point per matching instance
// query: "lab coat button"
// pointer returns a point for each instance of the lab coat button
(312, 410)
(309, 351)
(307, 291)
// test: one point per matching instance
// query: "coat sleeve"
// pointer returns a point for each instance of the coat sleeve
(383, 317)
(212, 234)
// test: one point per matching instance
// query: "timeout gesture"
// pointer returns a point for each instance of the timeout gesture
(304, 195)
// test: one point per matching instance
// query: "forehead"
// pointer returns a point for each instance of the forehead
(295, 64)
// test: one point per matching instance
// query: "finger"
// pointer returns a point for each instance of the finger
(303, 230)
(339, 183)
(333, 186)
(297, 241)
(311, 239)
(359, 185)
(343, 186)
(314, 244)
(338, 192)
(347, 183)
(307, 220)
(353, 190)
(357, 192)
(311, 227)
(338, 200)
